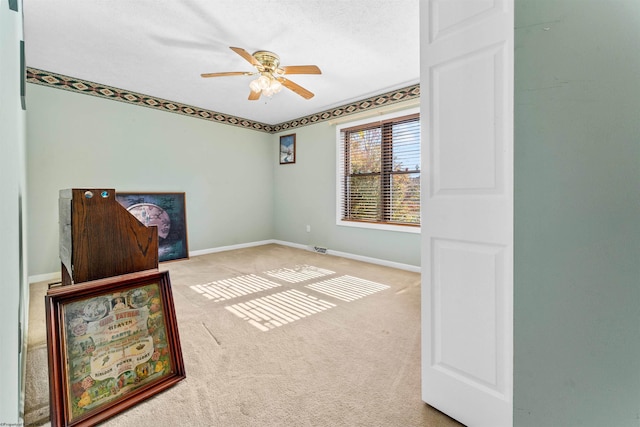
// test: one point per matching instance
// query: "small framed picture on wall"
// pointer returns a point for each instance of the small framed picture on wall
(288, 149)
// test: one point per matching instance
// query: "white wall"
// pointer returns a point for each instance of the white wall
(11, 191)
(80, 141)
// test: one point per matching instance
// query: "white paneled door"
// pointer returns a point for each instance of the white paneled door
(467, 209)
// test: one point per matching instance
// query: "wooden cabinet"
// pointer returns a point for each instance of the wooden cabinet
(99, 238)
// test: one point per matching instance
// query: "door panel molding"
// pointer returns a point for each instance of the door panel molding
(467, 209)
(472, 168)
(452, 297)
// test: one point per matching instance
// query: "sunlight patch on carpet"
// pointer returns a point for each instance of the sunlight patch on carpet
(299, 273)
(222, 290)
(279, 309)
(347, 288)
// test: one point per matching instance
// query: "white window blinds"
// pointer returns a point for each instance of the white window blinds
(380, 172)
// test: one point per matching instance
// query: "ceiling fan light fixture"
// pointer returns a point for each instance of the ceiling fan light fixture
(266, 84)
(255, 86)
(271, 79)
(276, 86)
(267, 92)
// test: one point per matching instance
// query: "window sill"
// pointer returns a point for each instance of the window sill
(376, 226)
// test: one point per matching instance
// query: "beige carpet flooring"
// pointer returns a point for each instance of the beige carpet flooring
(345, 351)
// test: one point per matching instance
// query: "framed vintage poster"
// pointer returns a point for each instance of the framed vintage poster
(111, 343)
(167, 211)
(288, 149)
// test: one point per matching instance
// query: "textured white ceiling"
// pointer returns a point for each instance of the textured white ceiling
(160, 48)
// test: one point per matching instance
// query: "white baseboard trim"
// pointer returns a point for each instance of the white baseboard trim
(292, 245)
(230, 248)
(413, 268)
(384, 262)
(56, 276)
(370, 260)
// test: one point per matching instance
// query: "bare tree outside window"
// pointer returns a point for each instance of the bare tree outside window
(381, 173)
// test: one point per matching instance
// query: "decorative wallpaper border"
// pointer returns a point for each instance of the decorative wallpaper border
(58, 81)
(389, 98)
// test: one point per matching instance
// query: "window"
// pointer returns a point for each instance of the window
(379, 173)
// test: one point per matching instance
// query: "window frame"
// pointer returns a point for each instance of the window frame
(340, 161)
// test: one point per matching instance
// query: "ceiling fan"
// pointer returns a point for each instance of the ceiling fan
(271, 74)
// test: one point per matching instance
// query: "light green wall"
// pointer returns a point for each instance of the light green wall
(12, 167)
(305, 194)
(80, 141)
(577, 216)
(236, 190)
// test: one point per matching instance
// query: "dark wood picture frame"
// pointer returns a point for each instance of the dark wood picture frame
(112, 343)
(168, 212)
(288, 149)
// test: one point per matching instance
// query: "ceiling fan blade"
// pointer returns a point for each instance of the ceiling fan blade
(254, 96)
(301, 69)
(230, 73)
(246, 55)
(296, 88)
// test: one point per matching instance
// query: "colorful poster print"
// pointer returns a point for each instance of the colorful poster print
(115, 344)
